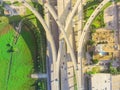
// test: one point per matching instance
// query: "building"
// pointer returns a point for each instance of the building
(18, 10)
(100, 82)
(116, 82)
(7, 12)
(103, 35)
(13, 0)
(1, 2)
(112, 19)
(104, 81)
(13, 10)
(105, 46)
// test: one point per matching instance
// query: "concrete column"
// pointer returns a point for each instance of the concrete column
(39, 76)
(49, 52)
(1, 2)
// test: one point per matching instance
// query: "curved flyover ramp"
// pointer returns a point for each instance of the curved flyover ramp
(65, 37)
(82, 39)
(70, 17)
(63, 32)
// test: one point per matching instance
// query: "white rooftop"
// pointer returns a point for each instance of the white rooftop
(100, 81)
(105, 81)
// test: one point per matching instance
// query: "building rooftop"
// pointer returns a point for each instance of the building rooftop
(105, 81)
(100, 81)
(116, 82)
(105, 46)
(103, 35)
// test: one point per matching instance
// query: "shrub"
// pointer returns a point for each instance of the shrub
(93, 31)
(113, 70)
(91, 53)
(91, 42)
(94, 70)
(118, 69)
(95, 61)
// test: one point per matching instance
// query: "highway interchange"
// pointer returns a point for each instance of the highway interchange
(56, 57)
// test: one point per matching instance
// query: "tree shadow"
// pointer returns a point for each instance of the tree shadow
(29, 36)
(30, 33)
(92, 3)
(42, 46)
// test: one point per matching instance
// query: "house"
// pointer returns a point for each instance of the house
(7, 12)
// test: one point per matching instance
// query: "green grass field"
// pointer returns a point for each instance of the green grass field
(29, 55)
(22, 60)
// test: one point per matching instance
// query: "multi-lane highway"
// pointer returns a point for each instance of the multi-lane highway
(70, 17)
(51, 10)
(79, 26)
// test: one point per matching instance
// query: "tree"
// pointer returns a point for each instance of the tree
(94, 70)
(95, 61)
(91, 42)
(112, 31)
(93, 31)
(118, 69)
(113, 70)
(91, 53)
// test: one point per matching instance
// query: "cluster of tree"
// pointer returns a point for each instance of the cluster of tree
(39, 34)
(91, 42)
(103, 42)
(95, 61)
(91, 53)
(112, 31)
(94, 70)
(113, 70)
(93, 30)
(11, 48)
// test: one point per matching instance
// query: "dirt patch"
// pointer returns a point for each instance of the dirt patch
(5, 29)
